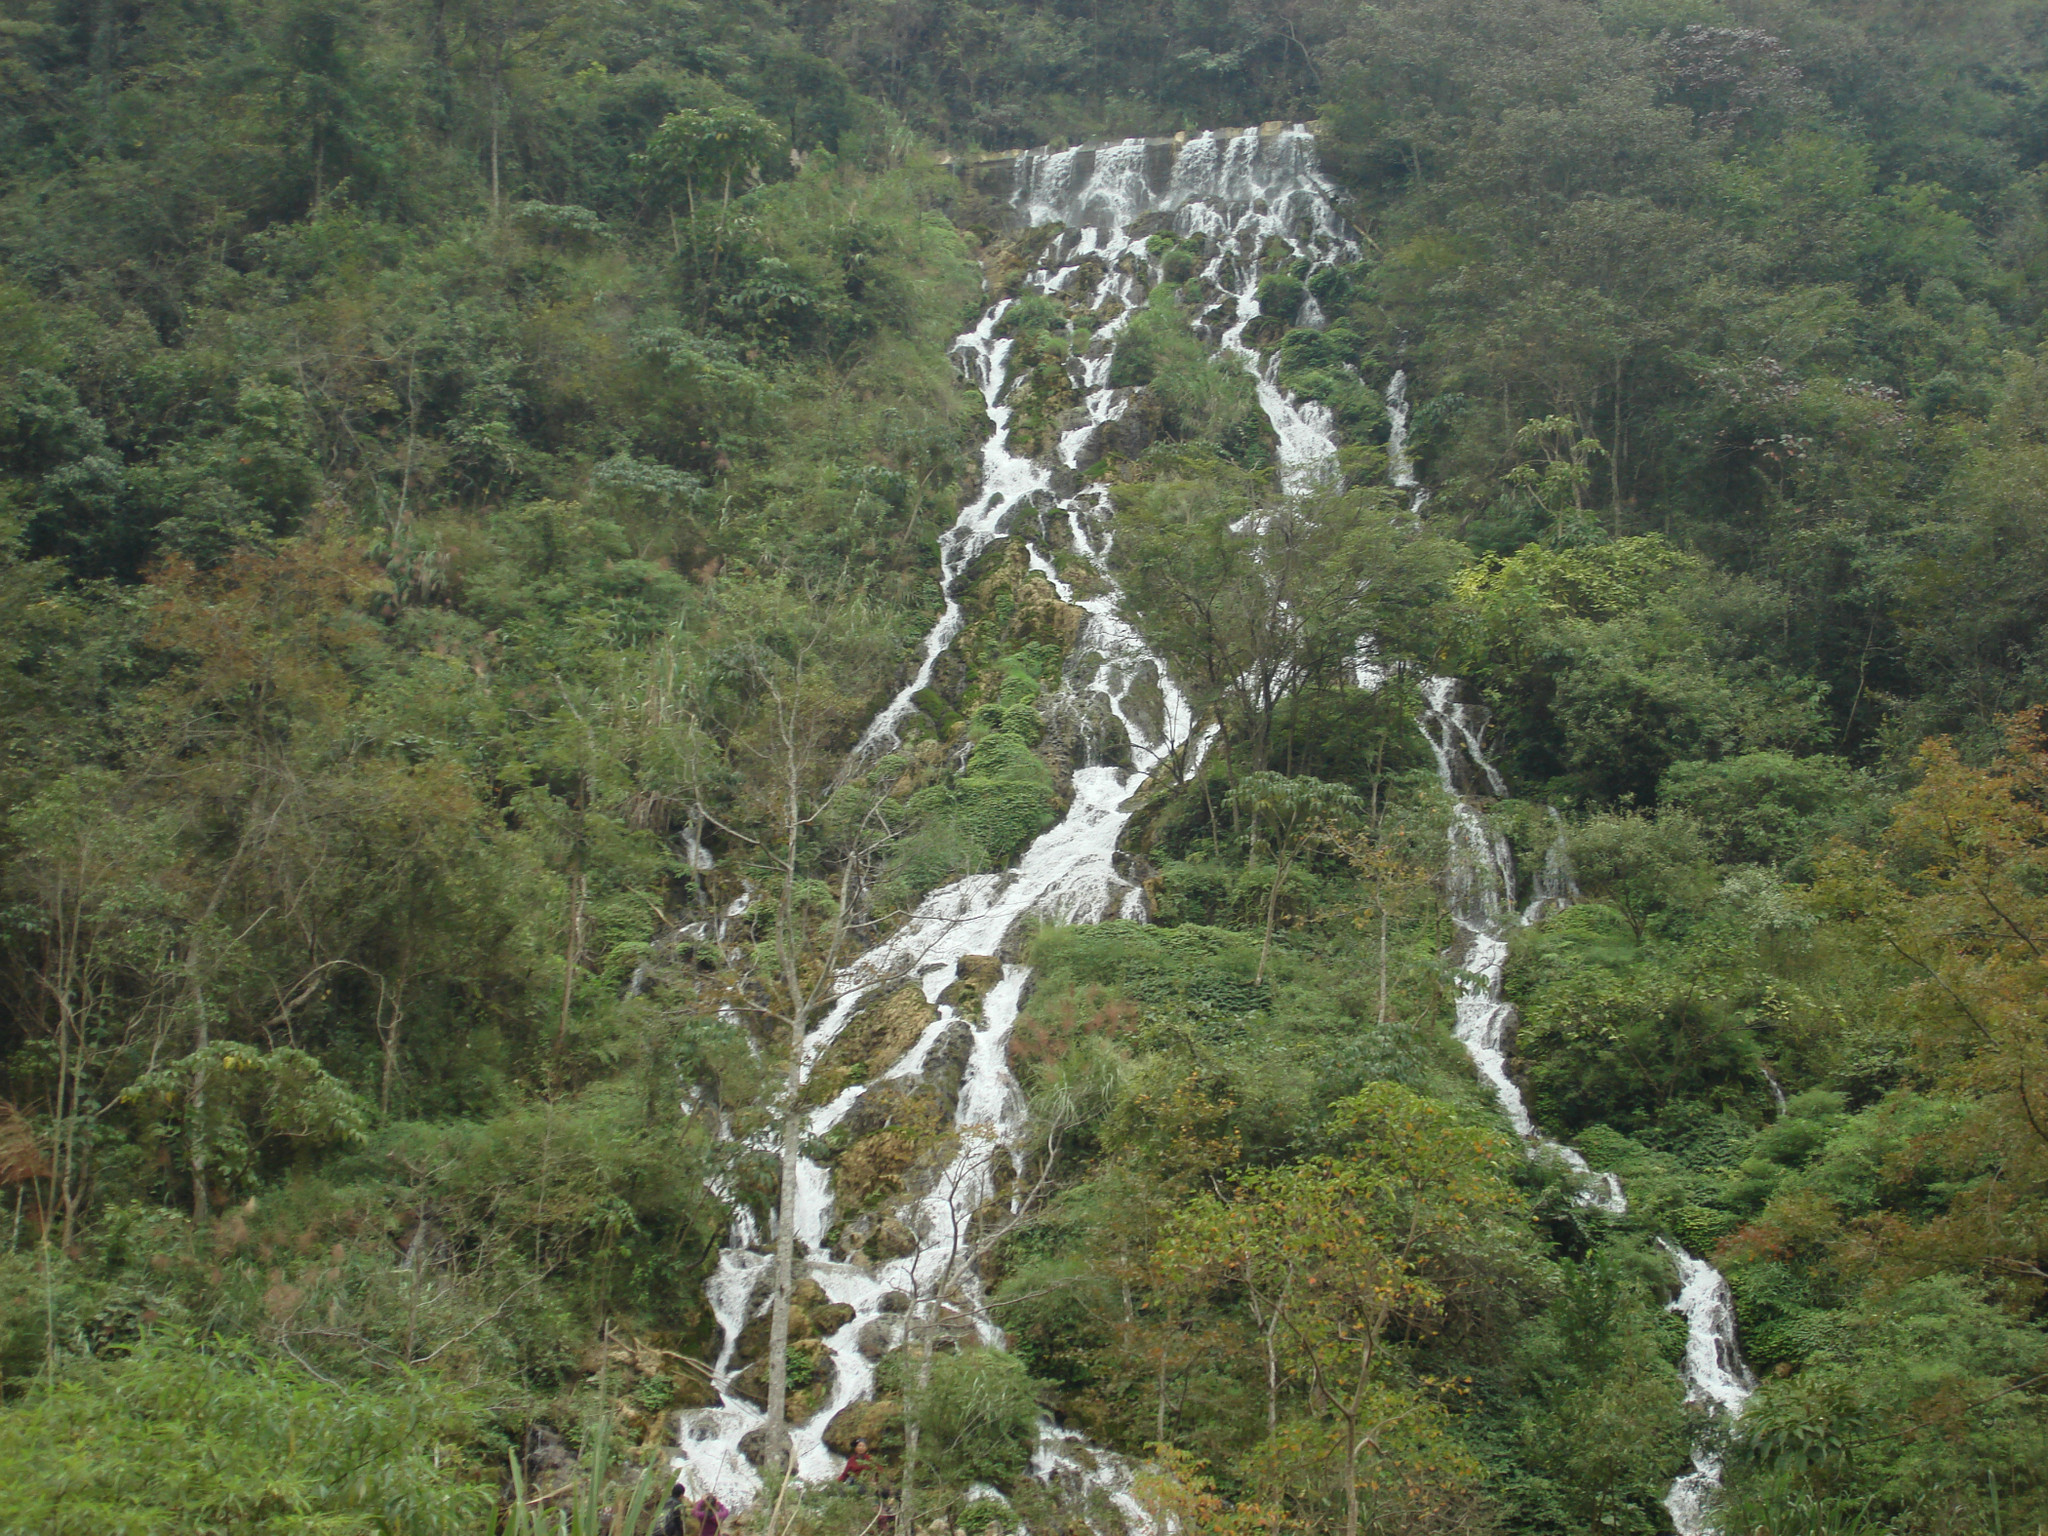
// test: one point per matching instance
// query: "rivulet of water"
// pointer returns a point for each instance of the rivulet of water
(1481, 882)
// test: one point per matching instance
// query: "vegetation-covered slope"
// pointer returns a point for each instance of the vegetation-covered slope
(461, 461)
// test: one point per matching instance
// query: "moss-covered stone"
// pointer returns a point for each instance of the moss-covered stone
(880, 1423)
(889, 1130)
(871, 1042)
(812, 1315)
(811, 1376)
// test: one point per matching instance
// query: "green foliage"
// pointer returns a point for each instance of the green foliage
(978, 1418)
(448, 453)
(1767, 807)
(176, 1436)
(1608, 1431)
(1005, 795)
(1932, 1355)
(1199, 397)
(232, 1107)
(1650, 869)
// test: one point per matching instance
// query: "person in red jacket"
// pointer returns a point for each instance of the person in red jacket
(858, 1465)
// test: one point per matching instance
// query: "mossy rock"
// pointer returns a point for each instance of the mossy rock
(810, 1384)
(976, 974)
(871, 1042)
(1009, 605)
(812, 1315)
(890, 1131)
(880, 1423)
(891, 1240)
(878, 1336)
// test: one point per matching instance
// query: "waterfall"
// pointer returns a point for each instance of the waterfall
(1400, 462)
(1239, 192)
(1481, 881)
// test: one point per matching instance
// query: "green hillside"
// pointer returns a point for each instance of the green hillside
(470, 472)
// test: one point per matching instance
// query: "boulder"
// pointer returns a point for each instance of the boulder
(977, 973)
(812, 1315)
(880, 1423)
(819, 1372)
(877, 1338)
(871, 1042)
(891, 1240)
(757, 1443)
(946, 1064)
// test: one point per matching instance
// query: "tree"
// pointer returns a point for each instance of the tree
(1252, 605)
(783, 695)
(1557, 480)
(1955, 898)
(1285, 814)
(1608, 1423)
(707, 147)
(1340, 1249)
(1643, 866)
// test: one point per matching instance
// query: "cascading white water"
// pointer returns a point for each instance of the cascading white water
(1400, 466)
(1239, 192)
(1482, 888)
(1715, 1377)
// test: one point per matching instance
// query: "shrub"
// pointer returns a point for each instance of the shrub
(175, 1438)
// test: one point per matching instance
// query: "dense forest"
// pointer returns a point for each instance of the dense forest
(471, 471)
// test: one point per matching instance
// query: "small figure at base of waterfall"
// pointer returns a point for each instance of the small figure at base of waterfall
(671, 1521)
(858, 1464)
(707, 1517)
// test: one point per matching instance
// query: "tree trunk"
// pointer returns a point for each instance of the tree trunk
(1614, 453)
(1159, 1436)
(785, 1259)
(195, 1114)
(1383, 956)
(1272, 910)
(572, 954)
(906, 1514)
(390, 1033)
(62, 1170)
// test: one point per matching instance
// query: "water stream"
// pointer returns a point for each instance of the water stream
(1237, 197)
(1236, 193)
(1481, 884)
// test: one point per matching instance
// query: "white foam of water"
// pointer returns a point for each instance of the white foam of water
(1777, 1090)
(1237, 191)
(1715, 1377)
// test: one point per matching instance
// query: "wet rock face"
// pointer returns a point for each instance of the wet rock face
(977, 974)
(872, 1042)
(812, 1315)
(811, 1375)
(1081, 731)
(549, 1461)
(877, 1338)
(880, 1423)
(757, 1444)
(946, 1065)
(893, 1130)
(1137, 429)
